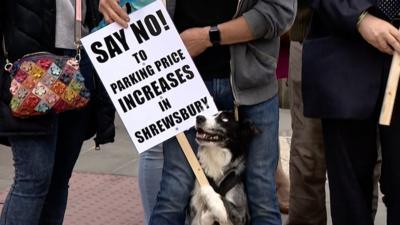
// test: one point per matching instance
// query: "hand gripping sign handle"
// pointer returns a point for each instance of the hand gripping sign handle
(391, 90)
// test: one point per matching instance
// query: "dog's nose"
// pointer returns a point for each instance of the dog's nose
(200, 119)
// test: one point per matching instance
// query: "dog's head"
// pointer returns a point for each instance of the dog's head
(223, 131)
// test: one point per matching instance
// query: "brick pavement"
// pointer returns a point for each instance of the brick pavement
(102, 200)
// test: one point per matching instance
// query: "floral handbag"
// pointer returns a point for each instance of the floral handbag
(43, 82)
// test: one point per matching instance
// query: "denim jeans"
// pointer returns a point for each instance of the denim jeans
(178, 179)
(150, 170)
(43, 166)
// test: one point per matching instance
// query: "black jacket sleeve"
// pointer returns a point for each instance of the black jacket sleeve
(341, 14)
(3, 140)
(2, 60)
(2, 57)
(105, 115)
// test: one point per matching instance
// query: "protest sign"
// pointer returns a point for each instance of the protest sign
(149, 75)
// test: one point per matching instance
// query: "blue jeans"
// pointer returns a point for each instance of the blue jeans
(150, 170)
(178, 179)
(43, 166)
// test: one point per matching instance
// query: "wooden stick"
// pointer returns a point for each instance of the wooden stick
(192, 159)
(391, 90)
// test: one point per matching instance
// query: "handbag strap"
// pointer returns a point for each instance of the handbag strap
(8, 66)
(78, 28)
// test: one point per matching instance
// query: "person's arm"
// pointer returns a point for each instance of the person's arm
(267, 19)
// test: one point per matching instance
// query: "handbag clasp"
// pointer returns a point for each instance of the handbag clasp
(8, 67)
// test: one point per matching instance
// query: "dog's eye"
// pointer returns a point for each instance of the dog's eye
(225, 119)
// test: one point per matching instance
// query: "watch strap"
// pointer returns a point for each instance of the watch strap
(214, 35)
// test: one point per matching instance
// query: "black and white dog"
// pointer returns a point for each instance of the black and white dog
(222, 155)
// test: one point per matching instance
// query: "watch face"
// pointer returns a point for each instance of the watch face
(214, 34)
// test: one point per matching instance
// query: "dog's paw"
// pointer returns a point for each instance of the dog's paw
(215, 204)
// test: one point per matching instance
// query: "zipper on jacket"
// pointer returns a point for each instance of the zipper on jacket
(238, 8)
(235, 99)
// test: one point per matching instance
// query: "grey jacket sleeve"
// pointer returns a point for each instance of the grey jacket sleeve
(270, 18)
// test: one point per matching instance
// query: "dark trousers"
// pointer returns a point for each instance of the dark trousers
(351, 154)
(307, 155)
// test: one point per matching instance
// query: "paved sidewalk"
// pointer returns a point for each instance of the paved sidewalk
(102, 200)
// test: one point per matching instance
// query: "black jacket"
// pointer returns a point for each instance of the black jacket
(343, 76)
(29, 26)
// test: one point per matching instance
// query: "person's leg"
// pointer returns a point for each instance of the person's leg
(176, 184)
(376, 177)
(307, 157)
(33, 161)
(351, 152)
(282, 187)
(390, 177)
(150, 170)
(262, 162)
(69, 143)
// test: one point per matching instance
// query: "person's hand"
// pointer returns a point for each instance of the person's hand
(112, 12)
(196, 40)
(380, 34)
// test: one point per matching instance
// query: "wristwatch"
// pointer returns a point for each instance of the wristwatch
(215, 35)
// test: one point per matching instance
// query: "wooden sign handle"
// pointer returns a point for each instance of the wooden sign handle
(192, 159)
(391, 90)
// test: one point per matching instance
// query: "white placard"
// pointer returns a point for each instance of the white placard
(149, 76)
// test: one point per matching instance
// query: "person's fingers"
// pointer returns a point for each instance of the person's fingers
(115, 17)
(103, 7)
(119, 11)
(107, 18)
(386, 49)
(393, 42)
(112, 12)
(383, 45)
(395, 32)
(396, 36)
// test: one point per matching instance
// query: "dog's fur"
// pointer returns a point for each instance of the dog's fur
(222, 155)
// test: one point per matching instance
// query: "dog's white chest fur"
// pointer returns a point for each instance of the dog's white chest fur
(213, 160)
